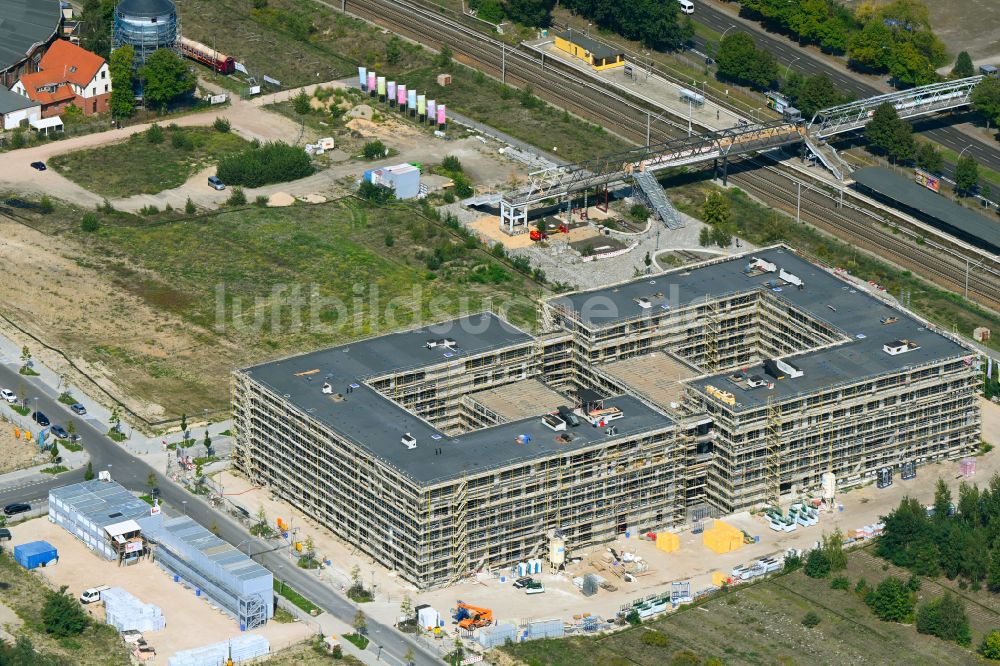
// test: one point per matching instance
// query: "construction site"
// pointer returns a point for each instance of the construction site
(739, 384)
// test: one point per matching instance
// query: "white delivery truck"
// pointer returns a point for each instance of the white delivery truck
(92, 594)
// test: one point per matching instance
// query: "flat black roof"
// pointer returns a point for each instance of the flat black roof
(375, 423)
(23, 24)
(911, 197)
(847, 308)
(596, 48)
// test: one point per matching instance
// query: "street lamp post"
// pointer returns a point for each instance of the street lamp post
(959, 157)
(722, 36)
(185, 504)
(790, 65)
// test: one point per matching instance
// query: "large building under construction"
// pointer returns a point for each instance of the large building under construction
(710, 389)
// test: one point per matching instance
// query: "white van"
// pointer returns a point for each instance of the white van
(687, 7)
(92, 594)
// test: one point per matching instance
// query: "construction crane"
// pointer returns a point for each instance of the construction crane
(472, 617)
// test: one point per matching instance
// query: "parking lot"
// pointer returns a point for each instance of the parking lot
(191, 621)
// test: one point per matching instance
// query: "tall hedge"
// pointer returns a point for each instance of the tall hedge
(264, 164)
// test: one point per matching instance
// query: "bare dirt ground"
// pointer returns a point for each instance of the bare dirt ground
(90, 317)
(16, 453)
(190, 621)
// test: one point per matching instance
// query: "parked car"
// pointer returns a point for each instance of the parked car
(78, 408)
(8, 395)
(215, 183)
(16, 508)
(59, 431)
(92, 594)
(5, 534)
(38, 166)
(523, 582)
(40, 419)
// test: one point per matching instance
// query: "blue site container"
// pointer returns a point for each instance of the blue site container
(35, 554)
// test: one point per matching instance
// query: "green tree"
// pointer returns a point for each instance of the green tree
(378, 194)
(360, 622)
(810, 620)
(871, 48)
(393, 50)
(221, 125)
(25, 357)
(990, 647)
(151, 481)
(62, 615)
(833, 546)
(903, 148)
(452, 164)
(237, 197)
(373, 150)
(95, 31)
(301, 103)
(818, 92)
(722, 235)
(443, 59)
(705, 237)
(716, 209)
(406, 607)
(966, 175)
(963, 66)
(532, 13)
(942, 501)
(166, 78)
(120, 65)
(88, 474)
(986, 99)
(189, 207)
(89, 223)
(880, 132)
(929, 157)
(739, 60)
(154, 134)
(891, 601)
(909, 66)
(945, 618)
(817, 563)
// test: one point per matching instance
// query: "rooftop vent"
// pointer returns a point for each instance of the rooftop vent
(897, 347)
(760, 266)
(781, 369)
(789, 278)
(409, 441)
(554, 422)
(447, 343)
(643, 302)
(753, 381)
(327, 388)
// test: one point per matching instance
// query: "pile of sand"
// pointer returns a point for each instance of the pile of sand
(361, 111)
(313, 198)
(280, 199)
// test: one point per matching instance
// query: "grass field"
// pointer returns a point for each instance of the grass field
(307, 654)
(24, 593)
(137, 166)
(173, 304)
(762, 225)
(761, 625)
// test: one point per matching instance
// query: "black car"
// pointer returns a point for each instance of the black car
(59, 432)
(523, 582)
(38, 166)
(16, 507)
(5, 534)
(40, 419)
(78, 408)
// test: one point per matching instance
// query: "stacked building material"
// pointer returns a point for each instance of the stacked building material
(545, 629)
(668, 542)
(498, 634)
(240, 648)
(127, 613)
(722, 538)
(719, 578)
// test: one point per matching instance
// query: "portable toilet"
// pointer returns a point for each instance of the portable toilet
(35, 554)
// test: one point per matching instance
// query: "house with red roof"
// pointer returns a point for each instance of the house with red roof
(68, 74)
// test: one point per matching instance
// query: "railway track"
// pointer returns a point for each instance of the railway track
(559, 84)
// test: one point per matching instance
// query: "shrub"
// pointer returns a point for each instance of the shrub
(655, 639)
(180, 140)
(89, 223)
(264, 164)
(261, 200)
(448, 197)
(189, 207)
(633, 618)
(451, 164)
(891, 601)
(45, 205)
(154, 134)
(375, 193)
(237, 198)
(810, 619)
(62, 616)
(389, 239)
(990, 647)
(840, 583)
(221, 125)
(301, 103)
(817, 563)
(945, 618)
(463, 187)
(373, 150)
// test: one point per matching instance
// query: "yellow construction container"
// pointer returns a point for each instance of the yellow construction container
(668, 542)
(719, 578)
(722, 538)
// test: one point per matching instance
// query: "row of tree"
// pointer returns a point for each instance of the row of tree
(655, 23)
(532, 13)
(958, 541)
(262, 164)
(895, 38)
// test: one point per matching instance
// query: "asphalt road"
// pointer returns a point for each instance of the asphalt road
(133, 473)
(803, 61)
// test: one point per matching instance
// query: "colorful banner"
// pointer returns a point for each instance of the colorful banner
(411, 99)
(363, 77)
(421, 104)
(371, 82)
(441, 114)
(431, 110)
(401, 94)
(381, 86)
(392, 92)
(929, 181)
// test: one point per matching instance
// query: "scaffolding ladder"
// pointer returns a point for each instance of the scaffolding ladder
(460, 535)
(772, 461)
(711, 334)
